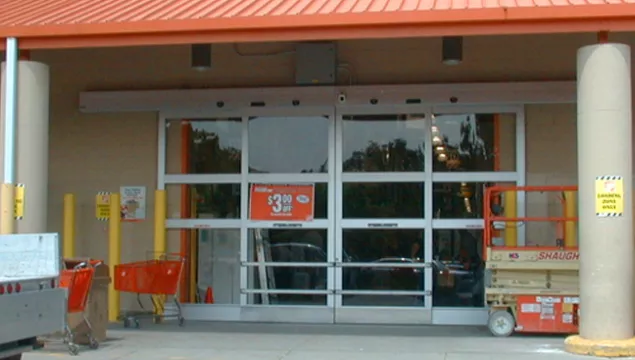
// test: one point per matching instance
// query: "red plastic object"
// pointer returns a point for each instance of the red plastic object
(153, 277)
(547, 314)
(78, 283)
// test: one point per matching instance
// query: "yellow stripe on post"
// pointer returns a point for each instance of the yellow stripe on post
(160, 214)
(160, 239)
(570, 227)
(69, 226)
(114, 255)
(510, 211)
(7, 209)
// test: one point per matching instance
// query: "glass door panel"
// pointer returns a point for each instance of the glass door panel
(287, 267)
(458, 268)
(382, 267)
(473, 142)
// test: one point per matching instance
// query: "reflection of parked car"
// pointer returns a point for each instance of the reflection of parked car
(392, 278)
(302, 277)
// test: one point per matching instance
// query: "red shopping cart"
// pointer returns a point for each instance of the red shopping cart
(158, 278)
(78, 282)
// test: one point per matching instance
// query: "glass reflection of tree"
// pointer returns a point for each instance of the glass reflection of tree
(384, 200)
(219, 200)
(209, 157)
(473, 150)
(391, 157)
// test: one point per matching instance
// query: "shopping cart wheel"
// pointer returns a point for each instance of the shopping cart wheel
(181, 321)
(94, 344)
(73, 349)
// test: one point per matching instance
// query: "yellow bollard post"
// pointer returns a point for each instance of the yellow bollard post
(160, 240)
(69, 226)
(114, 255)
(570, 227)
(511, 228)
(7, 209)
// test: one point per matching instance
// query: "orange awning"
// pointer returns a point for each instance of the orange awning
(96, 23)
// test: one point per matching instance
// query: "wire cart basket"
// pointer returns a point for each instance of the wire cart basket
(158, 278)
(78, 281)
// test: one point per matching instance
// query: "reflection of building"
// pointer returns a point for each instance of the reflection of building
(381, 185)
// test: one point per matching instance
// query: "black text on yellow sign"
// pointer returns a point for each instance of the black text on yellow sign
(609, 196)
(102, 205)
(18, 209)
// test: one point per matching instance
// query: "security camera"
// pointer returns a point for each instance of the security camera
(341, 98)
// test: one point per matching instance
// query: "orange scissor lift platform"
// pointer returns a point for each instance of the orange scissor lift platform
(531, 287)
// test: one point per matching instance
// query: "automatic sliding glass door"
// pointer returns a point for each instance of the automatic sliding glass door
(382, 271)
(472, 148)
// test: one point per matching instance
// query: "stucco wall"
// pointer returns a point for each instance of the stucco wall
(100, 152)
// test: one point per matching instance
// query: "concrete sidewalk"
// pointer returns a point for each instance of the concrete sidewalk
(243, 341)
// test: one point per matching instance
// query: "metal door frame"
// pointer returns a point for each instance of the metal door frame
(384, 314)
(462, 315)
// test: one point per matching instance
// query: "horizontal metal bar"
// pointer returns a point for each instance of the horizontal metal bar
(384, 292)
(287, 291)
(199, 179)
(383, 177)
(315, 224)
(475, 177)
(287, 264)
(532, 219)
(300, 178)
(418, 224)
(383, 265)
(203, 224)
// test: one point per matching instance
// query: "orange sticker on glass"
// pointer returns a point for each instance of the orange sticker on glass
(281, 202)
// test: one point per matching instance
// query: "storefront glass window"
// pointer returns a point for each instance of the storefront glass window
(204, 201)
(382, 200)
(458, 276)
(383, 143)
(288, 145)
(474, 142)
(211, 146)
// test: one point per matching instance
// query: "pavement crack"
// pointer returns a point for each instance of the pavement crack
(286, 353)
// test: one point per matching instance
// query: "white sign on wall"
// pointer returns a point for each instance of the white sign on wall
(133, 203)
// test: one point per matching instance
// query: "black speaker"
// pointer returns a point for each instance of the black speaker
(201, 56)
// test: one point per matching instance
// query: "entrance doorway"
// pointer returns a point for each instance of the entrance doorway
(396, 235)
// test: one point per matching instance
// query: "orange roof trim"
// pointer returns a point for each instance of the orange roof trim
(93, 23)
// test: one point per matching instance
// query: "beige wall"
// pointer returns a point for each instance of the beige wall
(91, 153)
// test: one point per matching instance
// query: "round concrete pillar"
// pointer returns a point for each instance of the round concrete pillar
(605, 151)
(32, 144)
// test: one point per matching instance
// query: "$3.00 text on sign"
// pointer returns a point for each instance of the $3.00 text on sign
(281, 202)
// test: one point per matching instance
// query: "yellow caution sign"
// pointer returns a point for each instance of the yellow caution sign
(19, 202)
(609, 196)
(102, 206)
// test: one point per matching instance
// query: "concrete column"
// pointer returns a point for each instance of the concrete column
(32, 144)
(605, 148)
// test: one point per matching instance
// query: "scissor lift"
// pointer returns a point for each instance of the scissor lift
(533, 287)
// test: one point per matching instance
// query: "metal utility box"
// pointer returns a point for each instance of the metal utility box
(547, 314)
(315, 63)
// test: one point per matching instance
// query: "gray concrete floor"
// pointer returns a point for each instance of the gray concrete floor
(242, 341)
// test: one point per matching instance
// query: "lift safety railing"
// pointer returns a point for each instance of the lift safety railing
(495, 215)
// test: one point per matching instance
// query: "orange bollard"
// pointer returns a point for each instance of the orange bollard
(209, 295)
